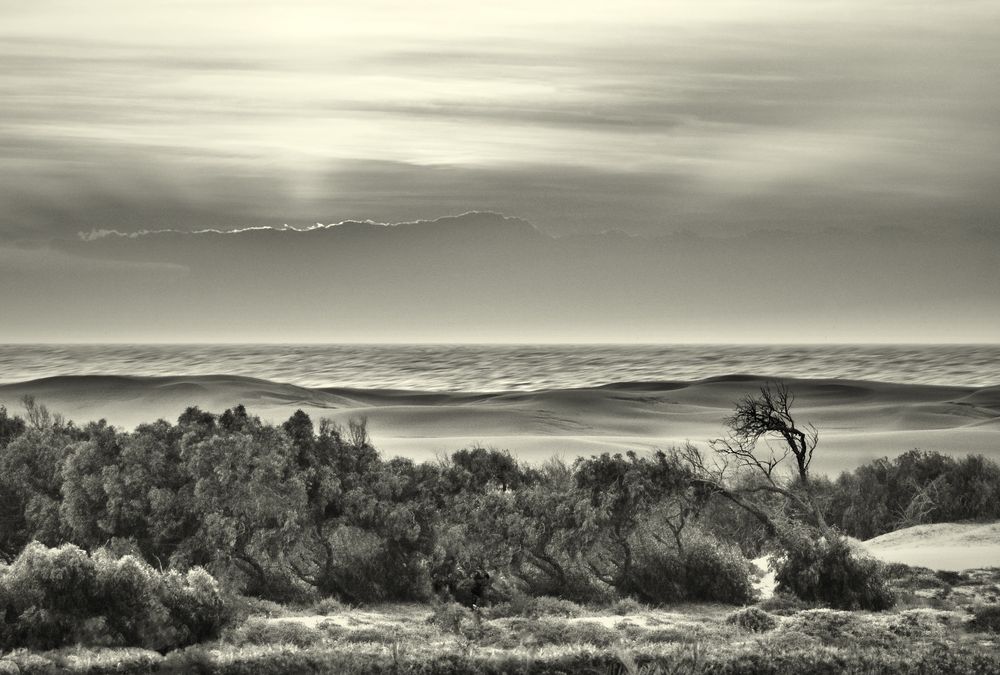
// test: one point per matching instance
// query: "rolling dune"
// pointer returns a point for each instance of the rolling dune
(857, 420)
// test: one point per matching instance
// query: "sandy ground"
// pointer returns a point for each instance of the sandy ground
(942, 546)
(857, 420)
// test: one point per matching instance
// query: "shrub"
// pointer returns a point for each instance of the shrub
(905, 577)
(841, 628)
(950, 577)
(549, 606)
(551, 631)
(328, 606)
(378, 634)
(454, 618)
(627, 606)
(663, 635)
(826, 570)
(707, 570)
(524, 605)
(752, 619)
(261, 632)
(985, 619)
(919, 622)
(248, 606)
(60, 596)
(195, 603)
(716, 572)
(784, 604)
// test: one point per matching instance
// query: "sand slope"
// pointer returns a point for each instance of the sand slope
(941, 546)
(857, 420)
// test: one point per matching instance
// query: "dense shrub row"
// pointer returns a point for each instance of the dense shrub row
(58, 596)
(295, 511)
(914, 488)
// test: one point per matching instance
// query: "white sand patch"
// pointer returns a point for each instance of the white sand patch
(766, 583)
(941, 546)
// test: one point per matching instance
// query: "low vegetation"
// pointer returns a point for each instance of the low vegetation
(226, 544)
(450, 638)
(54, 597)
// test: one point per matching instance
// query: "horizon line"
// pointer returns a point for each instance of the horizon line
(499, 343)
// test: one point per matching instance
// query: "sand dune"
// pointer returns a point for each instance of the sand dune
(857, 420)
(941, 546)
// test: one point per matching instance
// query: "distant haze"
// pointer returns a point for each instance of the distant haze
(484, 277)
(783, 170)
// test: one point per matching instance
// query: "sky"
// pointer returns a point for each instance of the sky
(705, 118)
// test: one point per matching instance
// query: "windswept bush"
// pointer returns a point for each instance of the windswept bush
(59, 596)
(828, 571)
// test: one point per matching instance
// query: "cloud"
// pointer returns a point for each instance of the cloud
(483, 276)
(464, 218)
(647, 117)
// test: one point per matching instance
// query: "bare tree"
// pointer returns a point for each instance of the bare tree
(925, 500)
(747, 451)
(38, 415)
(766, 416)
(357, 431)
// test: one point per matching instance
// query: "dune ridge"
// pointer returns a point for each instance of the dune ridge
(857, 419)
(940, 546)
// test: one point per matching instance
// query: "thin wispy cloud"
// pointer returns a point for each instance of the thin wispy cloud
(718, 119)
(239, 114)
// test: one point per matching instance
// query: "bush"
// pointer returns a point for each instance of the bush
(381, 635)
(826, 570)
(752, 619)
(716, 572)
(550, 631)
(627, 606)
(985, 619)
(452, 617)
(328, 606)
(841, 629)
(950, 577)
(59, 596)
(261, 632)
(919, 623)
(524, 605)
(707, 570)
(784, 604)
(195, 603)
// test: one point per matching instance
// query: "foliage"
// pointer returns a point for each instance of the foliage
(914, 488)
(752, 619)
(985, 618)
(828, 571)
(841, 628)
(784, 604)
(696, 640)
(300, 511)
(705, 569)
(527, 606)
(57, 596)
(261, 632)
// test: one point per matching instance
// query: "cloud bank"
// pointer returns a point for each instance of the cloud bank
(484, 277)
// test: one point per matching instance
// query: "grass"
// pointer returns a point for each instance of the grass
(553, 636)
